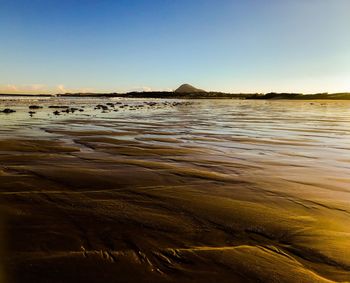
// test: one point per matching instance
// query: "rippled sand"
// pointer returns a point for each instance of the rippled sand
(207, 191)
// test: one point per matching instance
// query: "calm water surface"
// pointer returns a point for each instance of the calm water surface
(308, 134)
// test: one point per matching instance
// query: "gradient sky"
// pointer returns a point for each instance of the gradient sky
(225, 45)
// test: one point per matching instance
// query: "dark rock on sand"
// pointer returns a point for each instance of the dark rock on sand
(8, 111)
(100, 106)
(58, 106)
(35, 107)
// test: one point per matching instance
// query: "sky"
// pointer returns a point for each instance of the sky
(58, 46)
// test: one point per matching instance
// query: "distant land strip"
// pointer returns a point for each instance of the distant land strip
(198, 95)
(187, 91)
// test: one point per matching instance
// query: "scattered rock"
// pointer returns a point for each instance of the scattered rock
(8, 111)
(103, 107)
(35, 107)
(58, 106)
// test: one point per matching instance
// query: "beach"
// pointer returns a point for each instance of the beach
(157, 190)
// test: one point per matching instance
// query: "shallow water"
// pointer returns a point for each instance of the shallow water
(229, 190)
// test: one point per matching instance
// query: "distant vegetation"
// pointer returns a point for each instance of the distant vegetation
(295, 96)
(187, 91)
(161, 94)
(188, 95)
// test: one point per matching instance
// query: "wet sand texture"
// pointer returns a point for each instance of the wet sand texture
(175, 196)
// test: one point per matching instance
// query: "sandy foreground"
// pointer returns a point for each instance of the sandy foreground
(206, 191)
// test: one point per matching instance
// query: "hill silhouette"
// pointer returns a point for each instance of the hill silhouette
(187, 88)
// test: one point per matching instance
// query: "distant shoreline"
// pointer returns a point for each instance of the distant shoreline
(198, 95)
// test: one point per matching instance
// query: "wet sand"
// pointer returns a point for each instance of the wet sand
(176, 191)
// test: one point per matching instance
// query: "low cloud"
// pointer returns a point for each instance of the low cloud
(40, 88)
(62, 89)
(10, 87)
(148, 88)
(140, 88)
(33, 88)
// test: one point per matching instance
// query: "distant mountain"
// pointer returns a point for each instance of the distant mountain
(186, 88)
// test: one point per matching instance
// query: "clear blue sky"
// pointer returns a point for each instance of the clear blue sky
(227, 45)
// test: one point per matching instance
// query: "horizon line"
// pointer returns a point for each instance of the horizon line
(170, 91)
